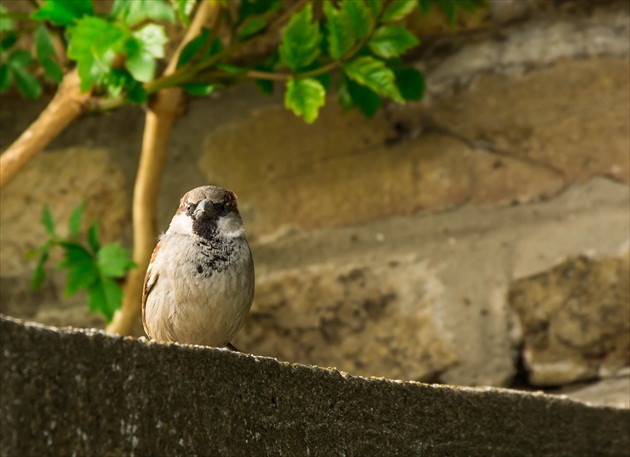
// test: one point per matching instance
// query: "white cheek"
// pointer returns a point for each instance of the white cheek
(181, 223)
(230, 226)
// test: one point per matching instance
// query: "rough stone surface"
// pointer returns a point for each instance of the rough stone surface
(419, 268)
(575, 319)
(68, 392)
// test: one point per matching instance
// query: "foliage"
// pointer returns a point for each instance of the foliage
(90, 266)
(117, 54)
(353, 46)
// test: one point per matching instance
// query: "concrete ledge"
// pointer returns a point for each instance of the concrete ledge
(71, 392)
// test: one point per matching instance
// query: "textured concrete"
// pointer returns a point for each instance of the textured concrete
(70, 392)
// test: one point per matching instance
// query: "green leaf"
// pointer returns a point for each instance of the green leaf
(304, 97)
(113, 260)
(74, 224)
(376, 6)
(94, 44)
(63, 12)
(8, 41)
(198, 89)
(358, 16)
(46, 54)
(340, 36)
(27, 84)
(391, 41)
(20, 58)
(193, 47)
(48, 222)
(398, 9)
(39, 275)
(5, 77)
(146, 45)
(410, 82)
(6, 23)
(365, 99)
(82, 271)
(92, 237)
(133, 12)
(300, 40)
(105, 297)
(183, 8)
(233, 69)
(374, 74)
(265, 86)
(252, 26)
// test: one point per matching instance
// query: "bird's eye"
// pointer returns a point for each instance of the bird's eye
(189, 207)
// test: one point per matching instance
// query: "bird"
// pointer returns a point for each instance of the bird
(199, 285)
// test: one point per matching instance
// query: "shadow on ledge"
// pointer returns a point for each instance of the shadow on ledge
(72, 392)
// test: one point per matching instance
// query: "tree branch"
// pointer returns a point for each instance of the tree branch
(66, 106)
(158, 124)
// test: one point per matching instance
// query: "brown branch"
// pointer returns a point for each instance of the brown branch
(158, 124)
(66, 106)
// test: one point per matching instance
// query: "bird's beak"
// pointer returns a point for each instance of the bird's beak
(204, 209)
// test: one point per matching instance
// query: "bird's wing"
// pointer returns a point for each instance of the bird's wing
(149, 282)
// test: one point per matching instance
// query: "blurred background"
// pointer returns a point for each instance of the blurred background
(479, 236)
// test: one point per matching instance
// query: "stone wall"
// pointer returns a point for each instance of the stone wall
(82, 393)
(474, 237)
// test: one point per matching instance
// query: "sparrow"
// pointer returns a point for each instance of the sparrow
(199, 285)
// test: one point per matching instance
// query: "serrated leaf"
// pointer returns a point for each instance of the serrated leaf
(374, 74)
(39, 275)
(183, 8)
(304, 97)
(113, 260)
(74, 224)
(64, 12)
(340, 36)
(133, 12)
(358, 16)
(146, 45)
(365, 99)
(94, 43)
(82, 270)
(74, 254)
(193, 47)
(92, 237)
(48, 222)
(198, 89)
(27, 84)
(5, 77)
(391, 41)
(300, 40)
(410, 82)
(105, 297)
(398, 9)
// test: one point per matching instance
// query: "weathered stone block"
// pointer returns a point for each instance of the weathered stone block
(72, 392)
(575, 319)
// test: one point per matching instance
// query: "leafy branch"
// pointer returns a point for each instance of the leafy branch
(92, 266)
(308, 48)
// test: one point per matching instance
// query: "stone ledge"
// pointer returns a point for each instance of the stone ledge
(72, 392)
